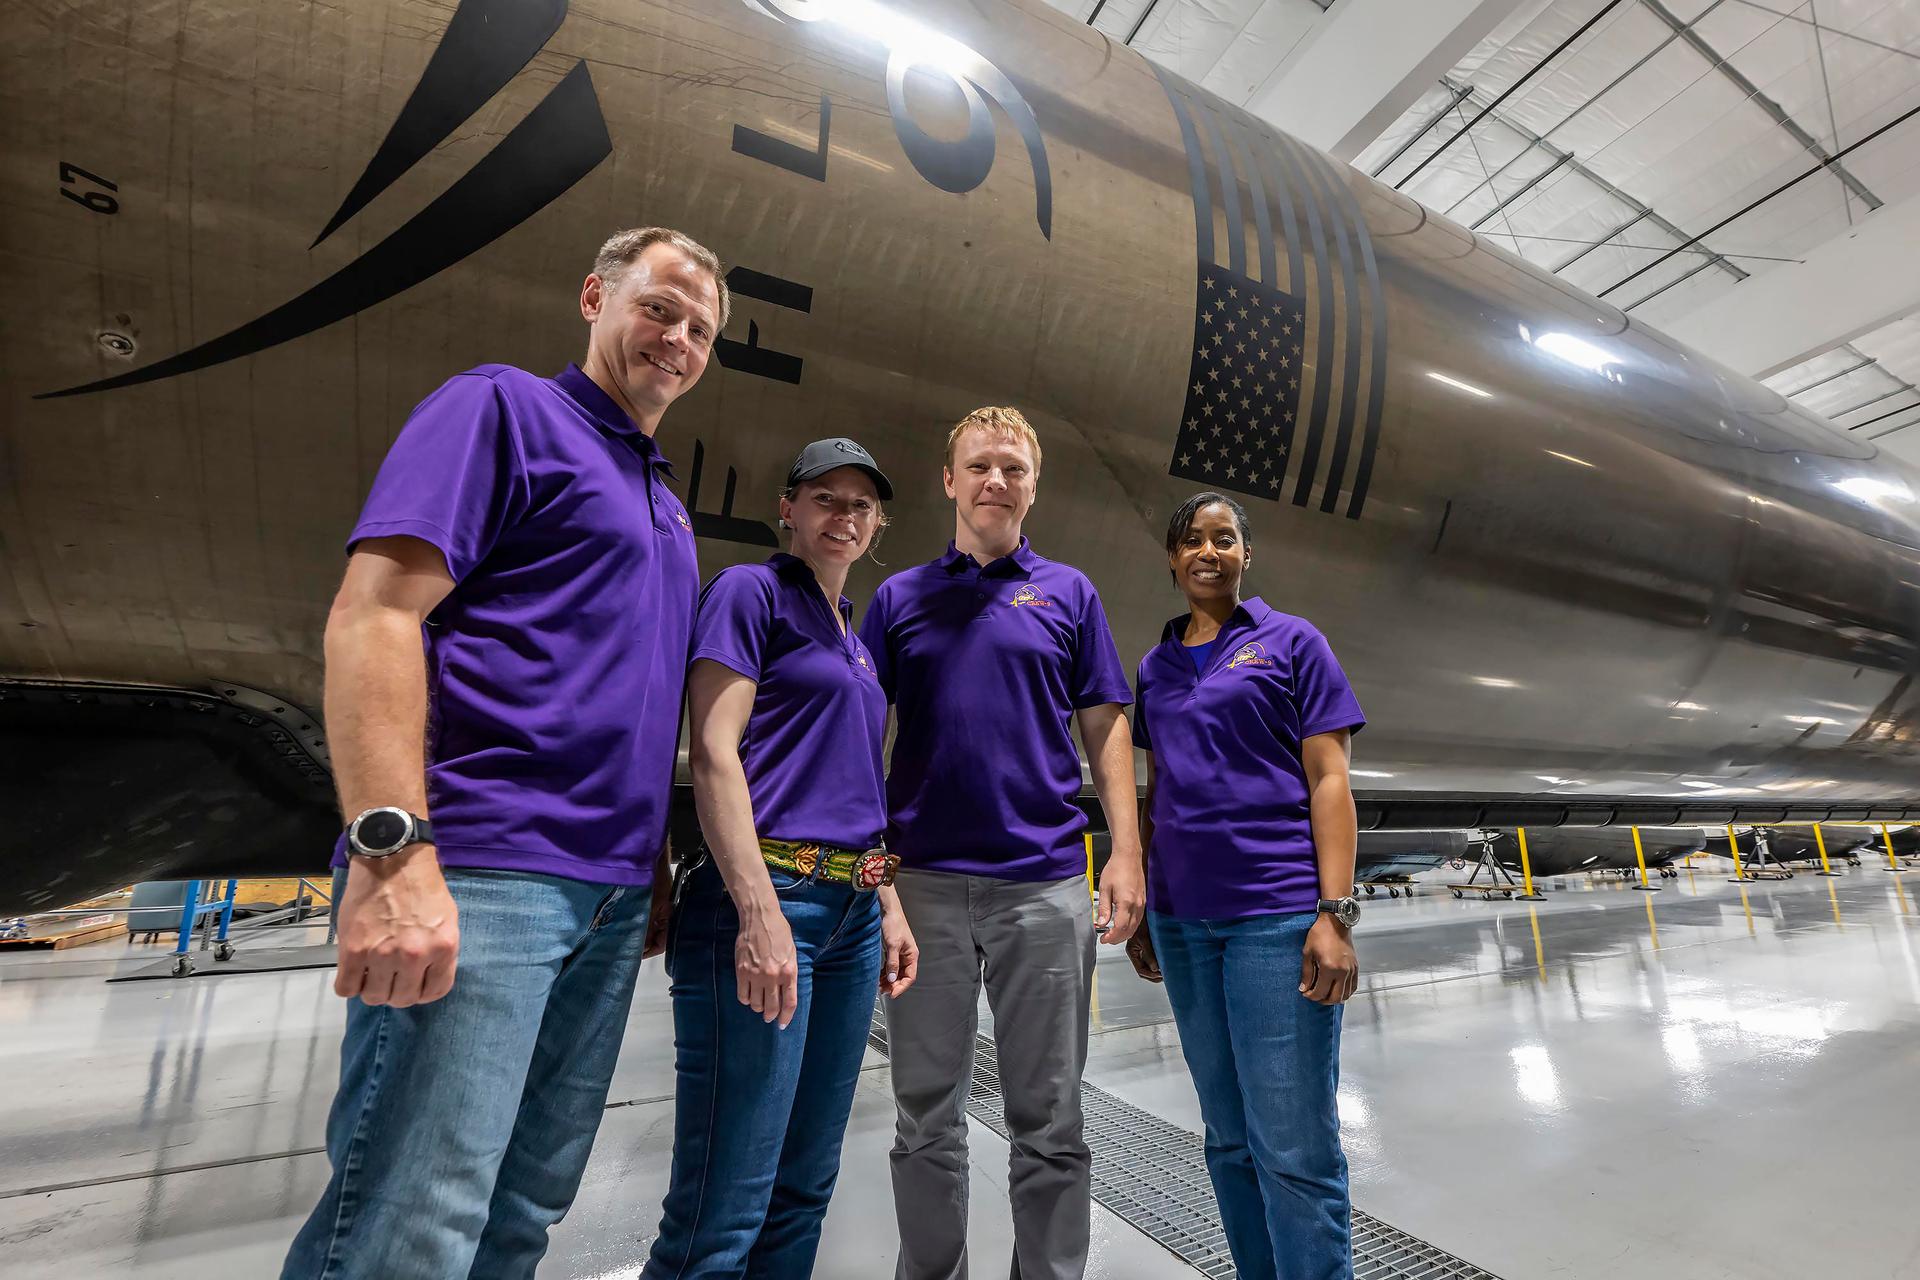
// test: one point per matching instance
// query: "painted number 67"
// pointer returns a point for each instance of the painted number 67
(98, 201)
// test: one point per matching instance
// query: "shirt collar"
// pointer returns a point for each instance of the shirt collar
(800, 573)
(587, 393)
(1023, 556)
(1250, 612)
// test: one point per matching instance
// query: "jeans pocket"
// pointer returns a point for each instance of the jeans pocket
(785, 882)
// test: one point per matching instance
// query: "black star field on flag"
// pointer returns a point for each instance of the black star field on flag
(1243, 391)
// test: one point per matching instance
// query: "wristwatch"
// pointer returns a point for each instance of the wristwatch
(383, 832)
(1345, 910)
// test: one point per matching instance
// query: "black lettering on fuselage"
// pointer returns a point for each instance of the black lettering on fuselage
(750, 356)
(786, 155)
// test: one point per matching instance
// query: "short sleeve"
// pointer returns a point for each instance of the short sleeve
(736, 614)
(873, 634)
(1323, 698)
(454, 477)
(1141, 737)
(1098, 678)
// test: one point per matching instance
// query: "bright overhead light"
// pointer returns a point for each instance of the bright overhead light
(1458, 385)
(1688, 706)
(1578, 352)
(1547, 777)
(1496, 682)
(1690, 782)
(1567, 457)
(1869, 488)
(1369, 773)
(1808, 720)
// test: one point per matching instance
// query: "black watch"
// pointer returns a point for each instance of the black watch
(1345, 910)
(383, 832)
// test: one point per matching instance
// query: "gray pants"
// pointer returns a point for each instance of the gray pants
(1033, 944)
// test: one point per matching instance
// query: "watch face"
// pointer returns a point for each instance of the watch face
(1349, 912)
(382, 830)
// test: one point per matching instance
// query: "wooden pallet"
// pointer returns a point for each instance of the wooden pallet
(69, 933)
(1486, 890)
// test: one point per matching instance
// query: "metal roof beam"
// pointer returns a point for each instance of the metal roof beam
(1753, 94)
(1365, 63)
(1860, 280)
(1641, 212)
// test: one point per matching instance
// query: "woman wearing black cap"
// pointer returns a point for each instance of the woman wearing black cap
(787, 921)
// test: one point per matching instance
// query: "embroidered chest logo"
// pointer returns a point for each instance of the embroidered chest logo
(860, 656)
(1030, 594)
(681, 516)
(1250, 655)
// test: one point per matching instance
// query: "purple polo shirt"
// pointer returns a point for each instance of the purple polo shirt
(985, 667)
(557, 664)
(812, 743)
(1232, 834)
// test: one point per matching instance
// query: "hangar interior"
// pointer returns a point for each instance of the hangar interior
(1678, 1049)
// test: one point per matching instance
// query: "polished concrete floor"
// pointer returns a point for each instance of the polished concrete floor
(1715, 1080)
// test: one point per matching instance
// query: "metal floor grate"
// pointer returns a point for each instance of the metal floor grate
(1153, 1174)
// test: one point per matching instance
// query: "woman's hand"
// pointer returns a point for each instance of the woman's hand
(1329, 971)
(764, 965)
(900, 954)
(1140, 951)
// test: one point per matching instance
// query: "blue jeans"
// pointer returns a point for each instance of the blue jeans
(760, 1112)
(1265, 1061)
(462, 1126)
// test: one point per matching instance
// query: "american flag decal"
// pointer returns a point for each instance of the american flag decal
(1287, 383)
(1243, 393)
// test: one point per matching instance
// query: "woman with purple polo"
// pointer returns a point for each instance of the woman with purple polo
(787, 919)
(1246, 719)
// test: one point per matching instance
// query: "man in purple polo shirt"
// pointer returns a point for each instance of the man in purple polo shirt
(505, 663)
(988, 654)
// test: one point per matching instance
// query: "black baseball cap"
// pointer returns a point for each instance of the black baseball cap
(823, 456)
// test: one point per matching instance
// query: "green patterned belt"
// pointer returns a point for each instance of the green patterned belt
(864, 870)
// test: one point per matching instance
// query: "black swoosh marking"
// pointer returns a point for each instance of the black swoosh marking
(485, 45)
(560, 142)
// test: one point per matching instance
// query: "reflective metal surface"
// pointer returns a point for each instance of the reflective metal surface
(1586, 562)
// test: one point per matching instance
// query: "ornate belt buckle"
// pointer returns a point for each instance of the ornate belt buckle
(869, 871)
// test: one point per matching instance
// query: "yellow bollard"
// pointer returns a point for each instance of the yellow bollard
(1820, 842)
(1093, 890)
(1886, 838)
(1526, 868)
(1640, 856)
(1733, 846)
